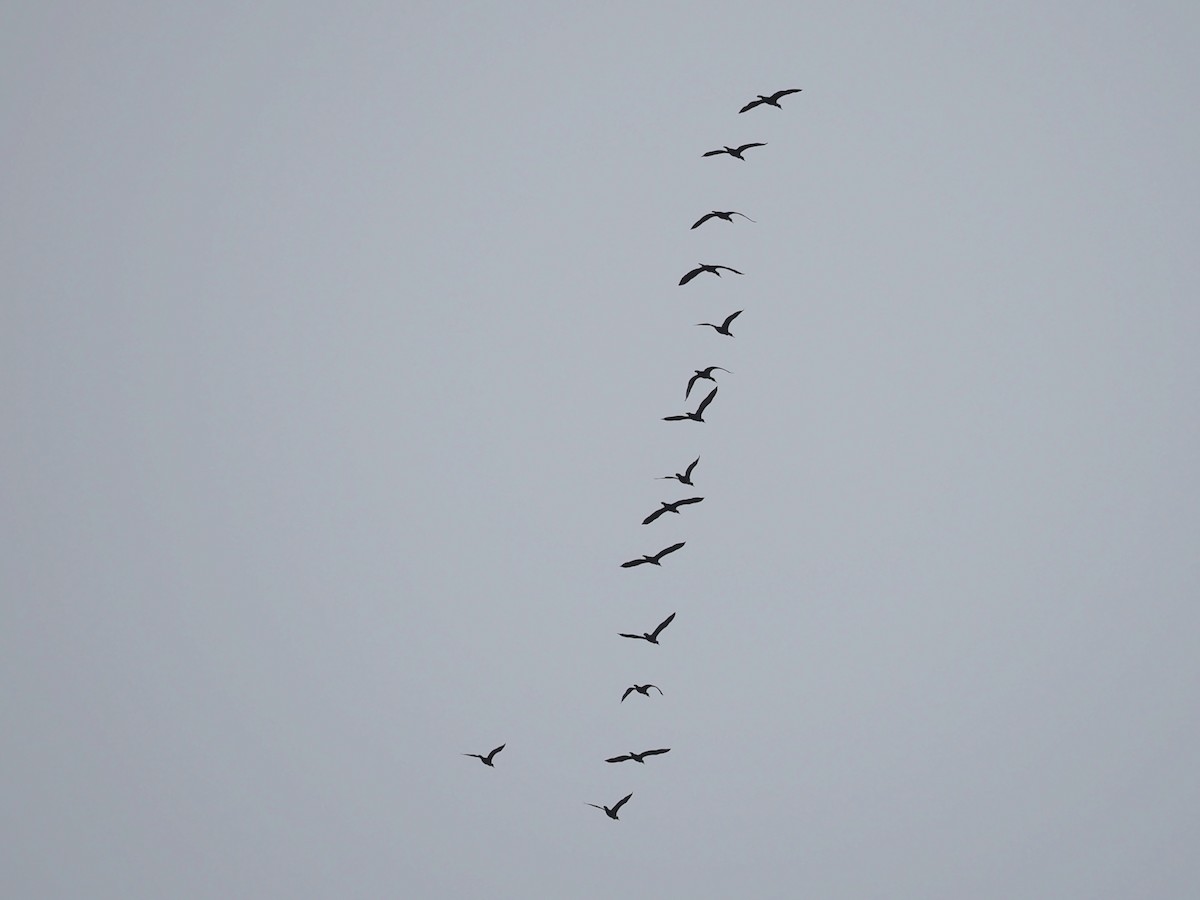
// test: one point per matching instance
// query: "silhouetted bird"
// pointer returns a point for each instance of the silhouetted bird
(639, 757)
(486, 760)
(735, 152)
(698, 415)
(723, 328)
(684, 477)
(612, 813)
(703, 373)
(643, 689)
(669, 507)
(655, 560)
(716, 214)
(652, 636)
(704, 267)
(773, 100)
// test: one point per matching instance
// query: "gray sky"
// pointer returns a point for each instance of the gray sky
(336, 340)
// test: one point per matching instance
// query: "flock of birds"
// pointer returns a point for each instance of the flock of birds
(684, 477)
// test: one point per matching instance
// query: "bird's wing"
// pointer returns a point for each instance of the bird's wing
(748, 146)
(687, 473)
(728, 269)
(619, 759)
(751, 105)
(743, 215)
(671, 549)
(775, 96)
(476, 755)
(628, 691)
(494, 752)
(633, 562)
(709, 324)
(690, 275)
(732, 316)
(654, 515)
(714, 152)
(656, 752)
(621, 802)
(663, 624)
(598, 806)
(703, 218)
(656, 687)
(637, 637)
(692, 381)
(704, 403)
(688, 501)
(675, 418)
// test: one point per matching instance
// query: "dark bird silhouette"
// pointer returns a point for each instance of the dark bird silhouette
(735, 152)
(652, 636)
(723, 328)
(486, 760)
(655, 560)
(704, 267)
(716, 214)
(643, 689)
(612, 812)
(773, 100)
(639, 757)
(684, 477)
(703, 373)
(698, 415)
(669, 507)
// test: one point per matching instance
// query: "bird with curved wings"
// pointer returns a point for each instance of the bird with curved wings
(717, 214)
(670, 507)
(772, 100)
(705, 374)
(655, 560)
(643, 689)
(698, 415)
(735, 152)
(487, 760)
(612, 811)
(652, 636)
(684, 477)
(723, 328)
(704, 267)
(638, 757)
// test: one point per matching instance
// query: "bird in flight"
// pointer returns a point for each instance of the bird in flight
(735, 152)
(773, 100)
(698, 415)
(669, 507)
(716, 214)
(486, 760)
(655, 560)
(684, 477)
(723, 328)
(704, 267)
(643, 689)
(703, 373)
(652, 636)
(612, 812)
(639, 757)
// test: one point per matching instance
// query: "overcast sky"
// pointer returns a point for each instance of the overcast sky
(336, 341)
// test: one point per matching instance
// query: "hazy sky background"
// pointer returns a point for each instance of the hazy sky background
(336, 339)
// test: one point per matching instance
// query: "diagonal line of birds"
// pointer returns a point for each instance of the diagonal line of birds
(684, 477)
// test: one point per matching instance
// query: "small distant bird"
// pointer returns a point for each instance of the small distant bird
(723, 328)
(652, 636)
(669, 507)
(773, 100)
(735, 152)
(727, 216)
(704, 267)
(639, 757)
(698, 415)
(703, 373)
(684, 477)
(612, 813)
(655, 560)
(643, 689)
(486, 760)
